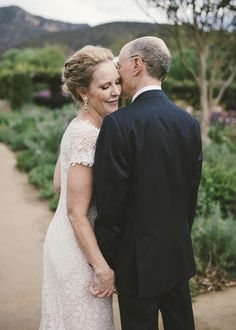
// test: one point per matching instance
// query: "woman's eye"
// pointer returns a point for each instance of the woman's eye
(118, 81)
(105, 87)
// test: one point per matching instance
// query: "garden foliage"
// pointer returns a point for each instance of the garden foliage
(214, 230)
(35, 134)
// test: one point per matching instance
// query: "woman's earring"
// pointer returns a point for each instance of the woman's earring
(85, 105)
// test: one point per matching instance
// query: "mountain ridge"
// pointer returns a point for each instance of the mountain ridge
(17, 26)
(20, 29)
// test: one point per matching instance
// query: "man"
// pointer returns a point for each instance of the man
(147, 172)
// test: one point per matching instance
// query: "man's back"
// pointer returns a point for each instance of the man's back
(147, 173)
(160, 145)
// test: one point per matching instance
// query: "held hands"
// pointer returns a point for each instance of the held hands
(103, 283)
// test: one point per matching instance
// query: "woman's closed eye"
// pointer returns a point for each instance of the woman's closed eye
(104, 87)
(118, 81)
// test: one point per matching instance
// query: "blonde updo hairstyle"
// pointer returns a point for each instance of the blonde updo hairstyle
(79, 68)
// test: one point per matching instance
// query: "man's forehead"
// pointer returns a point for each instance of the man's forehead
(125, 50)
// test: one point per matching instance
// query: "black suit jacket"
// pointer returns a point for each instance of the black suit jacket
(147, 172)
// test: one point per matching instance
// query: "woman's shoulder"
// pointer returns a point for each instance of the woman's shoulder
(84, 124)
(82, 130)
(79, 142)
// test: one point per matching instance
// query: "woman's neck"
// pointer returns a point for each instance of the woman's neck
(92, 116)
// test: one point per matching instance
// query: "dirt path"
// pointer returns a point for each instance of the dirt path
(216, 310)
(23, 222)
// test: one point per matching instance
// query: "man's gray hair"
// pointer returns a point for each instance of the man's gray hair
(155, 54)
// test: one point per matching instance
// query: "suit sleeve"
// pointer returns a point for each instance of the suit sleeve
(111, 175)
(196, 175)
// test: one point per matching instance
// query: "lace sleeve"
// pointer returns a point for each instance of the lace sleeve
(82, 147)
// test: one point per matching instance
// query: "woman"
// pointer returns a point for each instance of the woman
(72, 259)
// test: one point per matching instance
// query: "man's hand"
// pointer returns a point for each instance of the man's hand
(103, 283)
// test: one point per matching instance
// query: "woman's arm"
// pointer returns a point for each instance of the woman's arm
(57, 177)
(79, 194)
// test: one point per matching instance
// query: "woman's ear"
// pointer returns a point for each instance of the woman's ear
(82, 93)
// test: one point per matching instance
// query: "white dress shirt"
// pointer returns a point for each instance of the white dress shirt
(145, 89)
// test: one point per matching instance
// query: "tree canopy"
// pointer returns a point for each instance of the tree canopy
(208, 27)
(47, 60)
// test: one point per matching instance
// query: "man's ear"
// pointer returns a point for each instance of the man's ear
(137, 65)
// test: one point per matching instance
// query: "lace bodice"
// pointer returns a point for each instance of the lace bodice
(78, 143)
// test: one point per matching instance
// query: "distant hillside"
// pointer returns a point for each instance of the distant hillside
(18, 26)
(108, 35)
(19, 29)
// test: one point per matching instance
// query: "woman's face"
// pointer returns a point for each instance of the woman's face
(104, 90)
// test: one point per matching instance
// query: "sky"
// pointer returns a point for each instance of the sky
(93, 12)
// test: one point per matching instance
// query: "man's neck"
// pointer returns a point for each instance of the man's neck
(146, 83)
(145, 89)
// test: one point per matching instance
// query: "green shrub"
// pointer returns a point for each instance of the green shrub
(215, 243)
(53, 202)
(41, 174)
(36, 133)
(218, 184)
(3, 132)
(21, 130)
(223, 134)
(26, 160)
(217, 134)
(16, 141)
(47, 192)
(5, 118)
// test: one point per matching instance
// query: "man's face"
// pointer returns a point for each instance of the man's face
(125, 68)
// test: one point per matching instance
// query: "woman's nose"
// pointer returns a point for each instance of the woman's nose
(116, 90)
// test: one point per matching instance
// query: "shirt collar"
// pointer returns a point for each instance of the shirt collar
(145, 89)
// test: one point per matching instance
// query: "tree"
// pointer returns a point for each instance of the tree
(48, 60)
(208, 26)
(20, 68)
(21, 90)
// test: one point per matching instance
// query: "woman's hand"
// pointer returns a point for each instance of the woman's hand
(103, 284)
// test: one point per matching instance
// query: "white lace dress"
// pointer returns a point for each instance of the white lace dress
(66, 301)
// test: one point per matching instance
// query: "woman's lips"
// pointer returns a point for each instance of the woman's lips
(113, 101)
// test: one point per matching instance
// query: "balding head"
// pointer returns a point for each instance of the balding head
(154, 52)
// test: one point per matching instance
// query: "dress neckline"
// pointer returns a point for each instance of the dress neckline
(87, 122)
